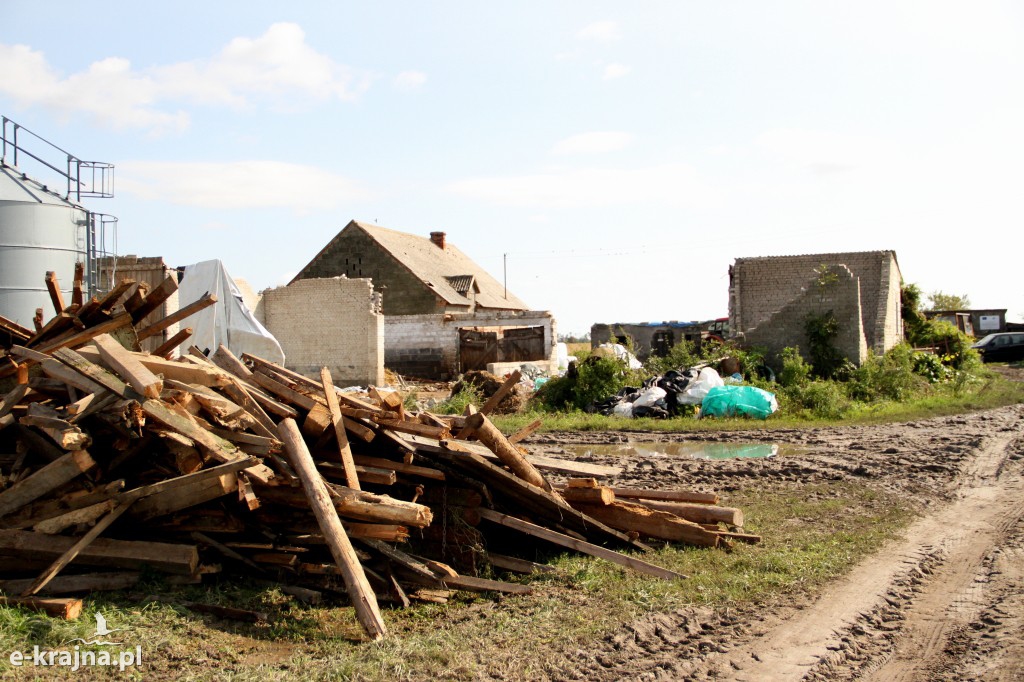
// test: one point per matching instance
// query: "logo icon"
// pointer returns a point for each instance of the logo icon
(101, 631)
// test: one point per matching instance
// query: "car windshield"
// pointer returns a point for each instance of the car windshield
(985, 341)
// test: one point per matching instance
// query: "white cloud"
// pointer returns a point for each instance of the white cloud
(672, 183)
(612, 71)
(825, 152)
(410, 80)
(600, 31)
(278, 65)
(593, 143)
(238, 184)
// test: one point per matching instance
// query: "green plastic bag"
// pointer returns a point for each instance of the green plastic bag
(735, 401)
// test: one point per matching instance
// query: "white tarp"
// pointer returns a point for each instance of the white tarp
(229, 321)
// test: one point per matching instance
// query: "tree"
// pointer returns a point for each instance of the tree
(944, 301)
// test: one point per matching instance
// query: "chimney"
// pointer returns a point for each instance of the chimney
(438, 239)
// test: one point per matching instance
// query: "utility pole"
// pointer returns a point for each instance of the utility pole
(504, 272)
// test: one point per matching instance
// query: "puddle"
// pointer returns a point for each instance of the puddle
(688, 450)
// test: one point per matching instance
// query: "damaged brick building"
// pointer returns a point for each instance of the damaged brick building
(770, 299)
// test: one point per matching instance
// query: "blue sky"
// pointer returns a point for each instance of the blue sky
(617, 156)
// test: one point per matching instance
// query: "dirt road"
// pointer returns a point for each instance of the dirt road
(943, 602)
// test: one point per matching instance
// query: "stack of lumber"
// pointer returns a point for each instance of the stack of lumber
(113, 460)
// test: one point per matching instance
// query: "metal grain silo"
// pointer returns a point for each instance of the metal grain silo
(39, 232)
(43, 230)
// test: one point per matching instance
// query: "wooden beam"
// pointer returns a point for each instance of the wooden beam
(56, 297)
(226, 360)
(697, 513)
(167, 347)
(667, 495)
(87, 335)
(128, 367)
(69, 555)
(649, 523)
(578, 545)
(363, 598)
(338, 423)
(77, 293)
(124, 554)
(525, 432)
(49, 478)
(495, 440)
(206, 301)
(64, 608)
(155, 299)
(87, 582)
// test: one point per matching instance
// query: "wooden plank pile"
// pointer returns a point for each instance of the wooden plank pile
(113, 460)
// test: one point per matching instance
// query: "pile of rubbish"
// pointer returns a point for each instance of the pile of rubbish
(666, 396)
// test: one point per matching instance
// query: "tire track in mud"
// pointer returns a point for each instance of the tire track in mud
(922, 608)
(960, 536)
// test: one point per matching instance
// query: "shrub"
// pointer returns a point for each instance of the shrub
(887, 377)
(953, 345)
(592, 380)
(823, 399)
(456, 404)
(682, 356)
(795, 370)
(929, 366)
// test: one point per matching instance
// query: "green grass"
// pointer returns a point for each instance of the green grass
(987, 392)
(811, 535)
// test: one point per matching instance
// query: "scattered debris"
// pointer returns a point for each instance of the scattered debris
(241, 466)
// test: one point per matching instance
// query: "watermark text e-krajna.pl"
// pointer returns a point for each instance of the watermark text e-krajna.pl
(76, 658)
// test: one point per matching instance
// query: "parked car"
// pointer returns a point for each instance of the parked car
(1004, 347)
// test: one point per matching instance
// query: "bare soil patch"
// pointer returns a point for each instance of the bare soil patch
(941, 603)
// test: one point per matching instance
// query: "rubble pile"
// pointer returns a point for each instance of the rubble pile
(114, 461)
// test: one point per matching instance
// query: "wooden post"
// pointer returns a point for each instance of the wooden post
(495, 440)
(359, 590)
(77, 295)
(53, 286)
(338, 422)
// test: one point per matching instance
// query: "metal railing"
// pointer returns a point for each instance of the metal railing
(83, 178)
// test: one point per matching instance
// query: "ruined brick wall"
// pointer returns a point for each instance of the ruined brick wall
(333, 323)
(428, 345)
(761, 287)
(786, 326)
(356, 255)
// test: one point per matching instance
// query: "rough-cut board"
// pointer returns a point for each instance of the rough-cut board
(128, 366)
(579, 545)
(535, 501)
(50, 477)
(124, 554)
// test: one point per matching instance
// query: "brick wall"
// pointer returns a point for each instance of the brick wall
(333, 323)
(761, 287)
(786, 326)
(356, 255)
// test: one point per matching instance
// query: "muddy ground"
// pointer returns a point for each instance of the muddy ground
(943, 602)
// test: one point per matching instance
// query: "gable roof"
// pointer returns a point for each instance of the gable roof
(451, 274)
